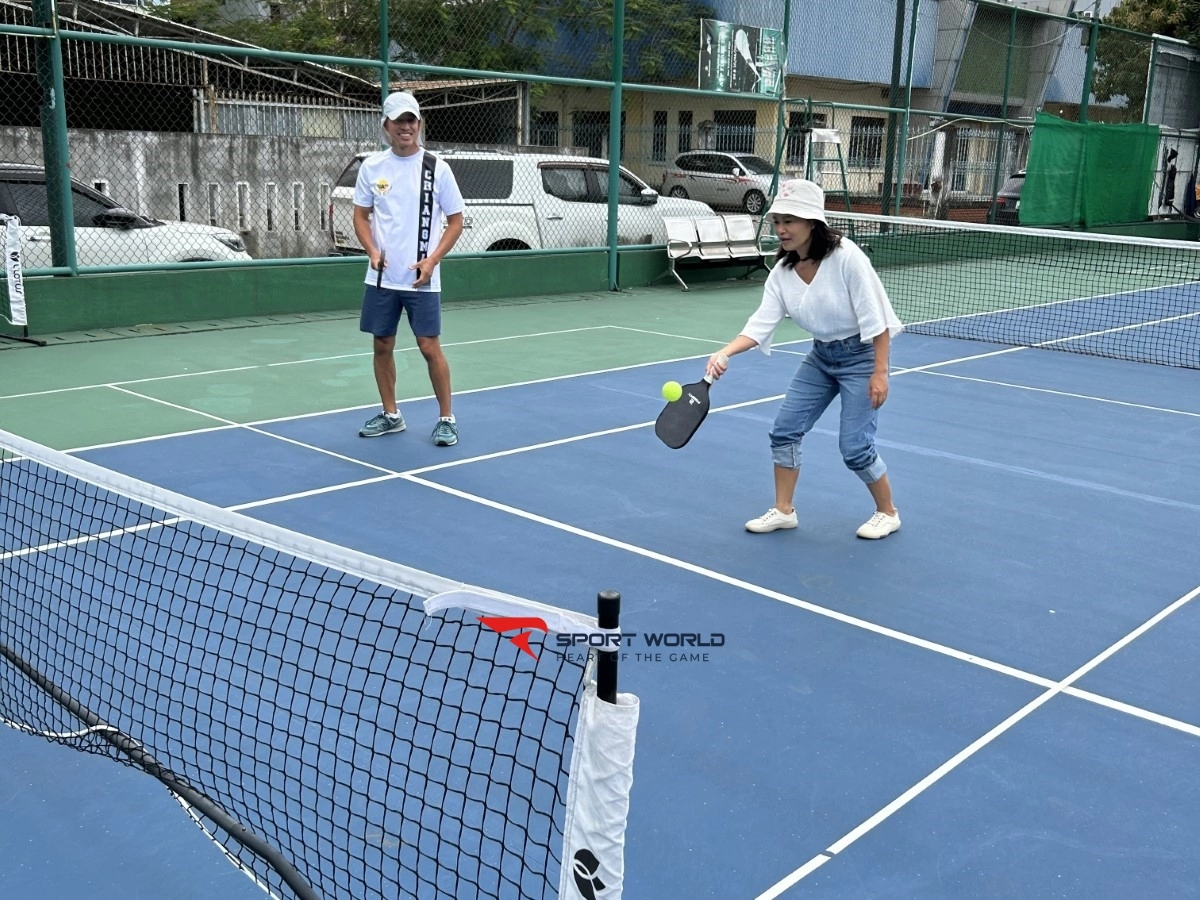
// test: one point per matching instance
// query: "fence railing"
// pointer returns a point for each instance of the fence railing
(188, 140)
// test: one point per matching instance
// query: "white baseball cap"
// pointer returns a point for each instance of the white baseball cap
(399, 103)
(800, 198)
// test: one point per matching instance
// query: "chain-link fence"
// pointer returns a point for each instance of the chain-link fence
(190, 134)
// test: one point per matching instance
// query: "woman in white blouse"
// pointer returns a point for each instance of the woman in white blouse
(828, 287)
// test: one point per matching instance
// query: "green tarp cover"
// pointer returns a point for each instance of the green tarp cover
(1084, 175)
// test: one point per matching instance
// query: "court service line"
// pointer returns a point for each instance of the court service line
(686, 337)
(967, 752)
(835, 615)
(228, 424)
(488, 340)
(255, 424)
(294, 362)
(1040, 390)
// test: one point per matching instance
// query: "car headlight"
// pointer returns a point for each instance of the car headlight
(232, 241)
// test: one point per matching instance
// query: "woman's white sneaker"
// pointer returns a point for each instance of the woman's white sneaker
(772, 520)
(878, 526)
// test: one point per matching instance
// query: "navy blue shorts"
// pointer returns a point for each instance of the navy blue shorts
(381, 310)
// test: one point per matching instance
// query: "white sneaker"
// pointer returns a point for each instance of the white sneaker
(879, 526)
(772, 520)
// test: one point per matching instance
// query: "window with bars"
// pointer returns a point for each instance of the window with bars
(866, 141)
(214, 202)
(659, 140)
(243, 206)
(735, 130)
(685, 130)
(543, 128)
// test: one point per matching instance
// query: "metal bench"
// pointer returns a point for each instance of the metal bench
(714, 240)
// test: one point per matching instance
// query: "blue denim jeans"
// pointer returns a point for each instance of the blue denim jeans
(831, 369)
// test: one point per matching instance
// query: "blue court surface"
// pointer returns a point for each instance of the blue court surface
(999, 701)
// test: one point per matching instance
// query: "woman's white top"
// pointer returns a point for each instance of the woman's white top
(845, 298)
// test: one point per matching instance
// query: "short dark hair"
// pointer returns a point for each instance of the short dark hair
(824, 240)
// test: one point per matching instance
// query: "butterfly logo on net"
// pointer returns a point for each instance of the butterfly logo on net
(525, 625)
(585, 867)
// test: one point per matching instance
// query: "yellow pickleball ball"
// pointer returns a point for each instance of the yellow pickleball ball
(672, 391)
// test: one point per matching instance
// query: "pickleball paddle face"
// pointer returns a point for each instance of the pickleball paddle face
(680, 418)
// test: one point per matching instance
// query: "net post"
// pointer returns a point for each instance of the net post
(608, 608)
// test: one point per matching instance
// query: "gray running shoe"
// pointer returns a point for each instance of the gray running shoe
(445, 433)
(382, 424)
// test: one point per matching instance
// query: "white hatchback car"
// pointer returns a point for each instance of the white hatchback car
(723, 180)
(106, 234)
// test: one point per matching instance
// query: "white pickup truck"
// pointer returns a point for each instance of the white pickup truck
(530, 201)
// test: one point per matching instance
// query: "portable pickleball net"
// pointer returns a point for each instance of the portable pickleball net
(342, 726)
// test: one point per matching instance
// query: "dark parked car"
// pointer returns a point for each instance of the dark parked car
(1008, 199)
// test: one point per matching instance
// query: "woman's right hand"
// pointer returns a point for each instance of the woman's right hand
(718, 363)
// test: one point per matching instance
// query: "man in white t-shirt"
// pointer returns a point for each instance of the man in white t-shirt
(400, 199)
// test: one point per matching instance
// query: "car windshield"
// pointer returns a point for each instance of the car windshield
(350, 175)
(1013, 186)
(756, 165)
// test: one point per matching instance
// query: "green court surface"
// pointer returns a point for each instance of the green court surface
(103, 387)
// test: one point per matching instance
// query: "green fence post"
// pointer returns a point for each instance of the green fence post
(780, 122)
(1091, 67)
(385, 56)
(614, 138)
(54, 137)
(1012, 42)
(908, 79)
(893, 101)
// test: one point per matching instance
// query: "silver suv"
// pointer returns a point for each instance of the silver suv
(106, 233)
(724, 180)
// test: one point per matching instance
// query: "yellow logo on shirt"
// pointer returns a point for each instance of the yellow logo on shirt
(382, 187)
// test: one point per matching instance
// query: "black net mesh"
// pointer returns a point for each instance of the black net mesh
(1127, 298)
(382, 752)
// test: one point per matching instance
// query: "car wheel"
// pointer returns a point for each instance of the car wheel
(679, 191)
(754, 202)
(509, 244)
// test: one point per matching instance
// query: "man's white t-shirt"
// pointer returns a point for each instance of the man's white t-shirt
(390, 186)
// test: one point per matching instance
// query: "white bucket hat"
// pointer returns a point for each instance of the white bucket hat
(799, 198)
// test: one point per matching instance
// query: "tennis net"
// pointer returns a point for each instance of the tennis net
(333, 733)
(1106, 295)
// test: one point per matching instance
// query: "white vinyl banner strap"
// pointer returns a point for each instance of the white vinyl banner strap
(13, 273)
(593, 860)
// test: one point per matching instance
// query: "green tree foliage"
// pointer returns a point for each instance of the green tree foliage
(557, 37)
(1122, 60)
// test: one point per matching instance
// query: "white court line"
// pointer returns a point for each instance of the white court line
(967, 752)
(835, 615)
(1130, 327)
(254, 425)
(294, 362)
(1085, 298)
(413, 476)
(1074, 396)
(1052, 688)
(227, 425)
